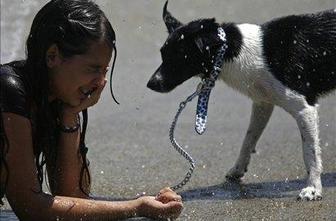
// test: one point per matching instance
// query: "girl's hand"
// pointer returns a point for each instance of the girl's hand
(70, 113)
(166, 195)
(150, 207)
(87, 102)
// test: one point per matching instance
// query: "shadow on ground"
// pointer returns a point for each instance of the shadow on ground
(236, 191)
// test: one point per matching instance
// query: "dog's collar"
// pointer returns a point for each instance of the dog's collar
(205, 87)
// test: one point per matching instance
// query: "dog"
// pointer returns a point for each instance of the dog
(289, 62)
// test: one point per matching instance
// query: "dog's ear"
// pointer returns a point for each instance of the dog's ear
(171, 22)
(204, 34)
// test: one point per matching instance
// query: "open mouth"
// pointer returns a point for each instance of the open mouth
(87, 92)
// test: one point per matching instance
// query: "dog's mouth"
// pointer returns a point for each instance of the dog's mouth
(158, 83)
(158, 86)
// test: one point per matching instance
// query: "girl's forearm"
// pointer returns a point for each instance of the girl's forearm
(69, 162)
(84, 209)
(47, 207)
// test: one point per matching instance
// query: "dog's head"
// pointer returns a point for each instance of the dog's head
(188, 51)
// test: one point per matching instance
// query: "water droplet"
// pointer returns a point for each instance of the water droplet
(299, 76)
(207, 48)
(143, 166)
(308, 84)
(326, 144)
(140, 194)
(294, 41)
(185, 56)
(201, 26)
(324, 53)
(307, 40)
(102, 172)
(182, 36)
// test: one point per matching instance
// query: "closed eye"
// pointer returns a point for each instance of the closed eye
(97, 70)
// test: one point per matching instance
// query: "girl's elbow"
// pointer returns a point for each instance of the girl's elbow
(34, 207)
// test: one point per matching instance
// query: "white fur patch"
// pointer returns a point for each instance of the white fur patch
(247, 73)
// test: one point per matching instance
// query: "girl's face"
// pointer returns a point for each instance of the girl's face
(72, 79)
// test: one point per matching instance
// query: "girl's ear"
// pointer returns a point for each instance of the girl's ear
(53, 56)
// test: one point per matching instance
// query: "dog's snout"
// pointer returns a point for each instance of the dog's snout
(154, 82)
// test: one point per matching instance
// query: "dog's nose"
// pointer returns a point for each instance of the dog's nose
(154, 82)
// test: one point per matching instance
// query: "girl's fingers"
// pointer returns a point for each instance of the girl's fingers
(168, 197)
(92, 99)
(95, 95)
(166, 189)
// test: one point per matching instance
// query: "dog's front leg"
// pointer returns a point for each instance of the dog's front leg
(307, 120)
(261, 113)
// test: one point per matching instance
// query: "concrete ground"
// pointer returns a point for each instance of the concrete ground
(130, 151)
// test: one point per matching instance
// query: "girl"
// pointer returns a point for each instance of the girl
(69, 48)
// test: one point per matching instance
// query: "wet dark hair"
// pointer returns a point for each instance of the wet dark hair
(73, 25)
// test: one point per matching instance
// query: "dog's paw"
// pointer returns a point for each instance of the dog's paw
(235, 174)
(310, 193)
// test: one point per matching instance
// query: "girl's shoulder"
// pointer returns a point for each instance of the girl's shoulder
(15, 96)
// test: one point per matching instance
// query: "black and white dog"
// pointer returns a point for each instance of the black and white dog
(289, 62)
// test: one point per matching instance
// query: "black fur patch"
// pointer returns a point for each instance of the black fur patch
(300, 52)
(234, 41)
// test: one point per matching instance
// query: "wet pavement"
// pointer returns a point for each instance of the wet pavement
(130, 151)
